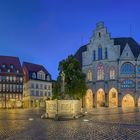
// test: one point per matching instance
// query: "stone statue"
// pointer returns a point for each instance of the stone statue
(63, 83)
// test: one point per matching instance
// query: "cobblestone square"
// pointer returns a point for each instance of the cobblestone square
(99, 124)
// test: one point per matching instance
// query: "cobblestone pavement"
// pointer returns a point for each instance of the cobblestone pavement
(99, 124)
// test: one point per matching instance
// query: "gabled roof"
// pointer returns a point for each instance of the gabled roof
(10, 60)
(122, 41)
(134, 46)
(34, 67)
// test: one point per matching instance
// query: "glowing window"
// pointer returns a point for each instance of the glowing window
(112, 73)
(89, 76)
(100, 72)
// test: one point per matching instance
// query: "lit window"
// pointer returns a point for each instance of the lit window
(100, 52)
(112, 73)
(127, 68)
(100, 72)
(128, 84)
(89, 76)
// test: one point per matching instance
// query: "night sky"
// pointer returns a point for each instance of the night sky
(46, 31)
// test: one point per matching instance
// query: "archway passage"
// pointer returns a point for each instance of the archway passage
(113, 98)
(128, 101)
(89, 99)
(100, 98)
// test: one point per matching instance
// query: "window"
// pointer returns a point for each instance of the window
(127, 68)
(8, 70)
(106, 53)
(37, 86)
(139, 84)
(138, 70)
(45, 94)
(37, 93)
(0, 70)
(17, 71)
(3, 66)
(14, 78)
(32, 92)
(112, 73)
(21, 79)
(41, 93)
(3, 87)
(128, 84)
(34, 76)
(41, 86)
(100, 72)
(7, 78)
(41, 75)
(32, 85)
(99, 35)
(100, 52)
(45, 87)
(89, 76)
(48, 77)
(94, 55)
(11, 66)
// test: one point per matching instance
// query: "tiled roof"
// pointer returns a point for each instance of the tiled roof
(10, 60)
(34, 67)
(134, 46)
(78, 54)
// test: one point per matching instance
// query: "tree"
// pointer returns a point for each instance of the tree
(75, 86)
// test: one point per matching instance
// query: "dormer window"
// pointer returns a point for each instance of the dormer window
(3, 66)
(48, 78)
(41, 75)
(11, 66)
(34, 75)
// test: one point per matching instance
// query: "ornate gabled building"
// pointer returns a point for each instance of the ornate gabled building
(112, 68)
(37, 85)
(11, 82)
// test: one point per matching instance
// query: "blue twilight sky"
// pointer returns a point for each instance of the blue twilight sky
(46, 31)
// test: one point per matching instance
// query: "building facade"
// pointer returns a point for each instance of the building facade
(37, 85)
(11, 82)
(112, 68)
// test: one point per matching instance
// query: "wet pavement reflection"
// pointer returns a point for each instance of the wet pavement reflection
(98, 124)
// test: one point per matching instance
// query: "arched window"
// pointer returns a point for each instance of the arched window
(127, 68)
(112, 73)
(128, 84)
(100, 52)
(100, 72)
(89, 76)
(94, 55)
